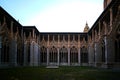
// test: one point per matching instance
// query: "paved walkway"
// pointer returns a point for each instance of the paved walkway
(52, 67)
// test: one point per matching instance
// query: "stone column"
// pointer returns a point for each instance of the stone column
(58, 56)
(31, 54)
(109, 52)
(111, 17)
(91, 55)
(79, 61)
(68, 56)
(98, 54)
(13, 53)
(47, 56)
(25, 54)
(35, 54)
(39, 56)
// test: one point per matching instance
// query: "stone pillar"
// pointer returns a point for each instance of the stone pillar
(58, 56)
(68, 56)
(91, 55)
(25, 54)
(13, 53)
(79, 58)
(111, 17)
(35, 54)
(47, 56)
(39, 56)
(109, 52)
(31, 54)
(98, 54)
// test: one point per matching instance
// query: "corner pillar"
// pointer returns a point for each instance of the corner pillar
(31, 54)
(47, 56)
(25, 54)
(91, 55)
(79, 60)
(58, 56)
(109, 52)
(98, 54)
(68, 56)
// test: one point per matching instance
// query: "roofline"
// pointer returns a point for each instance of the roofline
(104, 11)
(62, 33)
(10, 16)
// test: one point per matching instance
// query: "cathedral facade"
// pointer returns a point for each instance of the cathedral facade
(98, 46)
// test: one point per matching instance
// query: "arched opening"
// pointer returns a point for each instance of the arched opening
(4, 51)
(43, 55)
(63, 56)
(53, 56)
(84, 55)
(73, 55)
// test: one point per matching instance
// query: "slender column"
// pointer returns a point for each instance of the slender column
(79, 57)
(95, 53)
(68, 50)
(31, 54)
(58, 50)
(68, 56)
(105, 25)
(79, 61)
(47, 56)
(111, 17)
(25, 54)
(39, 61)
(58, 56)
(99, 29)
(35, 54)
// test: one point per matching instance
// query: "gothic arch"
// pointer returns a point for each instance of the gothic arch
(43, 54)
(73, 55)
(63, 55)
(4, 43)
(53, 54)
(84, 54)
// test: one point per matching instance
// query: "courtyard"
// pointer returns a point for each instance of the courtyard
(60, 73)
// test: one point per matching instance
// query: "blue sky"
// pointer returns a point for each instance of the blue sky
(54, 15)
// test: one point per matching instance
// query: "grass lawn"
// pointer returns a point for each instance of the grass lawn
(61, 73)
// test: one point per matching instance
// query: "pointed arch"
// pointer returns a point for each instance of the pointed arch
(63, 55)
(53, 54)
(43, 54)
(73, 55)
(84, 55)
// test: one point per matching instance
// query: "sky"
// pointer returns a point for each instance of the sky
(54, 15)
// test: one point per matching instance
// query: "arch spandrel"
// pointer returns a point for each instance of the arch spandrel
(43, 43)
(73, 43)
(53, 43)
(63, 43)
